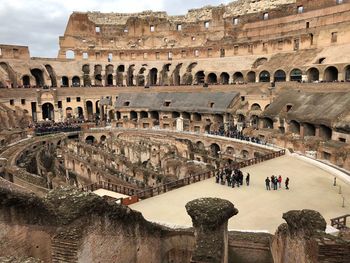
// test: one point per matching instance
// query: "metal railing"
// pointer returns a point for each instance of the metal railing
(339, 222)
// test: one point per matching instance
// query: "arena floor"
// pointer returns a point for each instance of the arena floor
(310, 188)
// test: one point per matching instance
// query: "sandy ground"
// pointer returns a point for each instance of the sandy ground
(259, 209)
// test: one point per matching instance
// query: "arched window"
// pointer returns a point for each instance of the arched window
(264, 76)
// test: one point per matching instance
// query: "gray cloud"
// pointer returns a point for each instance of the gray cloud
(39, 23)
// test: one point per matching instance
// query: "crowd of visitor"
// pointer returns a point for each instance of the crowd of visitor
(232, 132)
(231, 177)
(48, 127)
(275, 182)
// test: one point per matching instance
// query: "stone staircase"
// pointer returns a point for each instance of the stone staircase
(65, 247)
(334, 253)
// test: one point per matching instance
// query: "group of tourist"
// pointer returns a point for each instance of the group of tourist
(275, 182)
(55, 127)
(231, 177)
(232, 132)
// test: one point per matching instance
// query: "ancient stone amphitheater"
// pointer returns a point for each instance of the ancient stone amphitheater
(146, 109)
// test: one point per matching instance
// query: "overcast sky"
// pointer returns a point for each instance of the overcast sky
(39, 23)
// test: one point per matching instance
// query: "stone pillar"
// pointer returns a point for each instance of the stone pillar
(209, 218)
(302, 130)
(180, 124)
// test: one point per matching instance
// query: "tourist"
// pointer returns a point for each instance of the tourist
(247, 179)
(279, 181)
(287, 183)
(275, 183)
(267, 181)
(272, 182)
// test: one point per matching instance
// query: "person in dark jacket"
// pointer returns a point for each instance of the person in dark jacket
(267, 181)
(287, 183)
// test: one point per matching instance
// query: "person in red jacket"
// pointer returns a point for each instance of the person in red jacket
(279, 181)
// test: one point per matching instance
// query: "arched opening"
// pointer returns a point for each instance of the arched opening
(52, 75)
(97, 106)
(69, 112)
(219, 118)
(111, 115)
(212, 78)
(325, 132)
(254, 119)
(70, 54)
(224, 78)
(48, 111)
(64, 82)
(76, 81)
(175, 114)
(110, 80)
(264, 76)
(197, 116)
(131, 75)
(153, 76)
(26, 81)
(255, 106)
(164, 75)
(143, 115)
(89, 109)
(244, 154)
(251, 77)
(347, 73)
(330, 74)
(200, 77)
(296, 75)
(259, 62)
(186, 116)
(230, 150)
(241, 118)
(238, 77)
(294, 127)
(267, 123)
(39, 77)
(86, 75)
(215, 150)
(80, 113)
(141, 77)
(280, 76)
(103, 138)
(313, 75)
(98, 80)
(176, 75)
(120, 75)
(133, 115)
(309, 129)
(154, 115)
(200, 145)
(118, 115)
(90, 139)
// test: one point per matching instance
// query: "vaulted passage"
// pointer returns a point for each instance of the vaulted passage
(39, 77)
(48, 111)
(153, 75)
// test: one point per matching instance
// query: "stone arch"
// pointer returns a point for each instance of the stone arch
(325, 132)
(154, 115)
(251, 77)
(133, 115)
(259, 62)
(330, 74)
(70, 54)
(197, 116)
(153, 76)
(230, 150)
(245, 154)
(200, 145)
(255, 106)
(143, 115)
(280, 76)
(86, 75)
(141, 77)
(212, 78)
(69, 112)
(90, 139)
(64, 81)
(267, 123)
(294, 127)
(90, 109)
(200, 77)
(26, 81)
(131, 70)
(48, 111)
(175, 114)
(238, 77)
(264, 76)
(76, 81)
(52, 75)
(186, 115)
(80, 112)
(176, 78)
(39, 77)
(309, 129)
(120, 75)
(164, 75)
(103, 138)
(10, 72)
(313, 74)
(347, 73)
(97, 75)
(296, 75)
(215, 150)
(224, 78)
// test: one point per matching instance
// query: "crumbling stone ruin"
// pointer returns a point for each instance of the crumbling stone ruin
(137, 104)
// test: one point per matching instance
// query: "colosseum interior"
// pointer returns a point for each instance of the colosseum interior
(115, 150)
